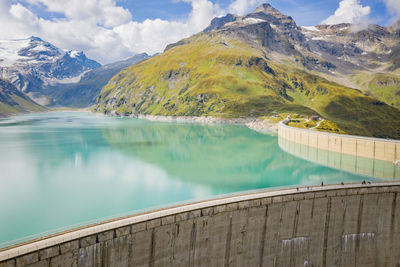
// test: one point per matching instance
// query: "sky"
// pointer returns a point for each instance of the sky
(110, 30)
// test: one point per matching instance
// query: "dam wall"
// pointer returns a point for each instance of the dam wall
(358, 165)
(336, 225)
(373, 148)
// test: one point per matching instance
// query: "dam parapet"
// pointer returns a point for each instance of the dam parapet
(335, 225)
(373, 168)
(366, 147)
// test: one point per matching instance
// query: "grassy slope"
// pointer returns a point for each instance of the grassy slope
(384, 86)
(13, 101)
(214, 75)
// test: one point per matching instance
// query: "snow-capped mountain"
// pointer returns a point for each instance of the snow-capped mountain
(30, 64)
(83, 93)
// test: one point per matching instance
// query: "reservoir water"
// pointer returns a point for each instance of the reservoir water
(60, 170)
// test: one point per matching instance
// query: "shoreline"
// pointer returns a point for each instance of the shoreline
(261, 126)
(257, 125)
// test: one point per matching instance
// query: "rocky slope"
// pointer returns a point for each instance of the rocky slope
(32, 64)
(84, 92)
(13, 101)
(263, 63)
(365, 58)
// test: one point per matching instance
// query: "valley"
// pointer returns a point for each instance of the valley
(159, 133)
(257, 66)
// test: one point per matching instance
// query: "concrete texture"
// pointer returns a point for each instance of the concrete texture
(355, 164)
(373, 148)
(350, 225)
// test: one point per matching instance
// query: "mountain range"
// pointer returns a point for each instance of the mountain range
(262, 64)
(85, 92)
(257, 65)
(53, 77)
(32, 64)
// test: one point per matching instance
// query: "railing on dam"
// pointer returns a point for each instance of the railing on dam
(374, 148)
(349, 225)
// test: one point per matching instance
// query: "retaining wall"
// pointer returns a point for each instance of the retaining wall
(374, 148)
(350, 225)
(358, 165)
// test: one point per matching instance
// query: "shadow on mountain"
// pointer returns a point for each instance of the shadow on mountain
(364, 116)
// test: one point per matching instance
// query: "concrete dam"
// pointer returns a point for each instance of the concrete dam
(335, 225)
(359, 146)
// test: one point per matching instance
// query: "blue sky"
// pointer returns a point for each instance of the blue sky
(305, 12)
(109, 30)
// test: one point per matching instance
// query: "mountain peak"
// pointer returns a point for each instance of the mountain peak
(219, 22)
(34, 38)
(75, 53)
(264, 18)
(265, 8)
(32, 62)
(271, 15)
(268, 10)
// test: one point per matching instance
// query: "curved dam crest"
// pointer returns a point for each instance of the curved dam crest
(351, 225)
(366, 147)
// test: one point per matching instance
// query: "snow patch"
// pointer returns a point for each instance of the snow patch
(9, 51)
(39, 48)
(311, 28)
(74, 53)
(54, 81)
(253, 20)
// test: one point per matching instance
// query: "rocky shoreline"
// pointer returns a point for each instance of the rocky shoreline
(262, 126)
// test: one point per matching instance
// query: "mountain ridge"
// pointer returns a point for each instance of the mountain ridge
(341, 53)
(85, 92)
(261, 64)
(32, 63)
(13, 101)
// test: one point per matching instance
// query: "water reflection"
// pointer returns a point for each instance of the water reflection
(60, 169)
(231, 158)
(363, 166)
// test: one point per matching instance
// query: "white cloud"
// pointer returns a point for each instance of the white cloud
(393, 7)
(102, 12)
(241, 7)
(350, 11)
(104, 30)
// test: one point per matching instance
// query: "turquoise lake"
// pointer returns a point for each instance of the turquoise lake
(63, 169)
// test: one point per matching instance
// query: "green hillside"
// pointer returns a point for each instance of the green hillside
(12, 101)
(384, 86)
(213, 75)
